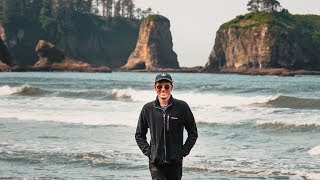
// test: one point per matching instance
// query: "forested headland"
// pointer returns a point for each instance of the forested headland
(102, 32)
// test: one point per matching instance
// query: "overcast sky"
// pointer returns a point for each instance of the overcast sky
(194, 23)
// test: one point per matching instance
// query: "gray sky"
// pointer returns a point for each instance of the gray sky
(194, 23)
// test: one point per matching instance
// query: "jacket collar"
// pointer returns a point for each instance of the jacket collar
(156, 102)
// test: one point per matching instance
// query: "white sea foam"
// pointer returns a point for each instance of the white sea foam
(267, 172)
(219, 100)
(192, 98)
(7, 90)
(68, 110)
(207, 107)
(134, 95)
(75, 117)
(122, 93)
(306, 118)
(195, 99)
(315, 151)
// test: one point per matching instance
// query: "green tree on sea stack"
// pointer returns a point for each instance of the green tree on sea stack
(264, 5)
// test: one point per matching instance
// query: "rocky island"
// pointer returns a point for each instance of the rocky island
(276, 43)
(154, 46)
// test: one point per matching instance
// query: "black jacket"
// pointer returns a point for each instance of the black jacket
(166, 131)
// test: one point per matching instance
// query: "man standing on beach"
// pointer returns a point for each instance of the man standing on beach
(166, 118)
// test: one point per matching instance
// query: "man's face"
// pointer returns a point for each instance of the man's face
(163, 89)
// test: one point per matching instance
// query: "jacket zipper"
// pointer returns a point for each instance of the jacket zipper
(164, 132)
(164, 137)
(168, 123)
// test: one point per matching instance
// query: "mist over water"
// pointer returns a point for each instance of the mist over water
(67, 125)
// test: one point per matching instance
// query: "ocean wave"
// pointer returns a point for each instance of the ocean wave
(252, 171)
(113, 94)
(221, 100)
(195, 99)
(122, 94)
(110, 159)
(127, 94)
(25, 90)
(290, 125)
(75, 117)
(309, 125)
(98, 95)
(295, 103)
(315, 151)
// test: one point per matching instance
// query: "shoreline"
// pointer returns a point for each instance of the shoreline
(254, 72)
(197, 69)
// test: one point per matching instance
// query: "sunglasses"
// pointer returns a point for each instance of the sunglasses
(159, 87)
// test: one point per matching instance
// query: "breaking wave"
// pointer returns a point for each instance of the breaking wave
(25, 90)
(302, 126)
(315, 151)
(295, 103)
(261, 172)
(110, 159)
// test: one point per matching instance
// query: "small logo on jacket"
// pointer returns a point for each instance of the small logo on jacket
(173, 117)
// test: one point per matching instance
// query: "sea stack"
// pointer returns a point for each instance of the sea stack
(53, 59)
(48, 54)
(154, 46)
(262, 42)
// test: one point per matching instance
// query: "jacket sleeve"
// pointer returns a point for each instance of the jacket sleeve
(141, 132)
(191, 127)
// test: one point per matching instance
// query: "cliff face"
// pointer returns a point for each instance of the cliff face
(154, 46)
(5, 56)
(263, 41)
(96, 40)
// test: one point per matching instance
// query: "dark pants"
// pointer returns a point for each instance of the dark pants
(166, 171)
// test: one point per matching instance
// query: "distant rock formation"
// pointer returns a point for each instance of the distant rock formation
(4, 67)
(154, 46)
(48, 54)
(5, 56)
(53, 59)
(91, 38)
(261, 41)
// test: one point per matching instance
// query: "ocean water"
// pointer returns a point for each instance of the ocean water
(82, 125)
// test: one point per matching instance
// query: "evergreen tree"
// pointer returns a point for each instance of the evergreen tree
(82, 6)
(122, 7)
(48, 23)
(32, 9)
(117, 9)
(103, 4)
(54, 8)
(146, 13)
(254, 5)
(138, 13)
(3, 7)
(264, 5)
(271, 6)
(130, 8)
(107, 6)
(10, 9)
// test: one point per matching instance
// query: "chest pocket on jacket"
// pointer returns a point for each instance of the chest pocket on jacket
(175, 121)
